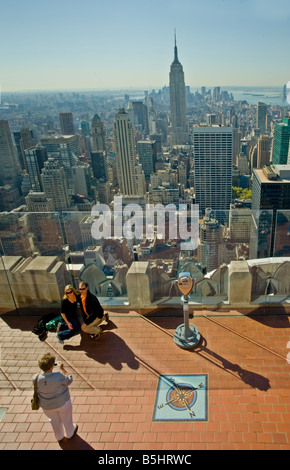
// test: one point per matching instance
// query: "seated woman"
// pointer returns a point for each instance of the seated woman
(69, 314)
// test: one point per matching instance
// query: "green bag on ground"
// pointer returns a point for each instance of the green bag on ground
(52, 324)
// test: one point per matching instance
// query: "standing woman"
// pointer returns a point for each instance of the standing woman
(69, 314)
(54, 397)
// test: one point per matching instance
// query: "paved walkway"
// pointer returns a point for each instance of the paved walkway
(134, 389)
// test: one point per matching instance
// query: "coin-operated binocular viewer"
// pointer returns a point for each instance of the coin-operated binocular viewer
(186, 335)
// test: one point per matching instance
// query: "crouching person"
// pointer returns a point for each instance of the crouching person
(92, 312)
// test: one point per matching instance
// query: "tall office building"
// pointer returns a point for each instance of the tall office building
(236, 144)
(177, 101)
(54, 143)
(210, 239)
(213, 150)
(271, 193)
(24, 139)
(271, 188)
(63, 149)
(263, 155)
(9, 170)
(82, 180)
(125, 154)
(8, 157)
(99, 163)
(98, 141)
(261, 117)
(242, 164)
(253, 156)
(67, 124)
(217, 93)
(140, 113)
(38, 202)
(240, 219)
(104, 191)
(152, 118)
(55, 185)
(147, 156)
(281, 141)
(34, 159)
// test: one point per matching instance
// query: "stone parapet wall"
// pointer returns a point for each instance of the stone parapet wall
(39, 283)
(31, 282)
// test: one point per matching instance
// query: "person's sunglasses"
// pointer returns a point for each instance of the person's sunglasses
(82, 288)
(69, 292)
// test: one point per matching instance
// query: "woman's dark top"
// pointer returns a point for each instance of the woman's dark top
(69, 309)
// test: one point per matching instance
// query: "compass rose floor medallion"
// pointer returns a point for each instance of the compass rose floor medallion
(181, 398)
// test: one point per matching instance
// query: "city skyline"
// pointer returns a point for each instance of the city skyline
(111, 45)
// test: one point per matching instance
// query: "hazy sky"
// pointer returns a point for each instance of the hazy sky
(77, 44)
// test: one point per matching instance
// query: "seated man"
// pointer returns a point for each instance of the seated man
(92, 311)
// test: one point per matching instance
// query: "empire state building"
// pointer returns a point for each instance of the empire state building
(177, 102)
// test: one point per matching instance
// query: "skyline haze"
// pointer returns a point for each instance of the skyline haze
(105, 45)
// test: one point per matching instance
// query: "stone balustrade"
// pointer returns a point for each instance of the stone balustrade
(39, 282)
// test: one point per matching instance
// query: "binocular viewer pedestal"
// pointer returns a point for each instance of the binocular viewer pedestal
(186, 335)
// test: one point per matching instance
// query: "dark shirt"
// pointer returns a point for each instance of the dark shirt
(93, 309)
(69, 309)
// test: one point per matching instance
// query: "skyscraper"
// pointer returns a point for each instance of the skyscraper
(263, 157)
(271, 188)
(8, 157)
(147, 156)
(82, 180)
(140, 113)
(271, 193)
(34, 158)
(213, 149)
(99, 164)
(9, 170)
(125, 154)
(63, 149)
(281, 141)
(55, 185)
(53, 144)
(261, 117)
(98, 134)
(177, 101)
(67, 124)
(210, 240)
(23, 139)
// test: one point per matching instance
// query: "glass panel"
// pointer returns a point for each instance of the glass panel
(139, 271)
(282, 234)
(269, 272)
(278, 284)
(31, 234)
(8, 301)
(33, 257)
(262, 241)
(102, 262)
(160, 254)
(16, 239)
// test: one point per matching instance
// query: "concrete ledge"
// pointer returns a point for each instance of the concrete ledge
(240, 283)
(31, 284)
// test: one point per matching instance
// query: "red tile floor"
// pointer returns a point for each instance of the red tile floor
(114, 391)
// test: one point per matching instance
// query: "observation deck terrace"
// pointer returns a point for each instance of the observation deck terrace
(126, 388)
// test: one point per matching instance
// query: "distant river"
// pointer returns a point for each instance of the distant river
(269, 95)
